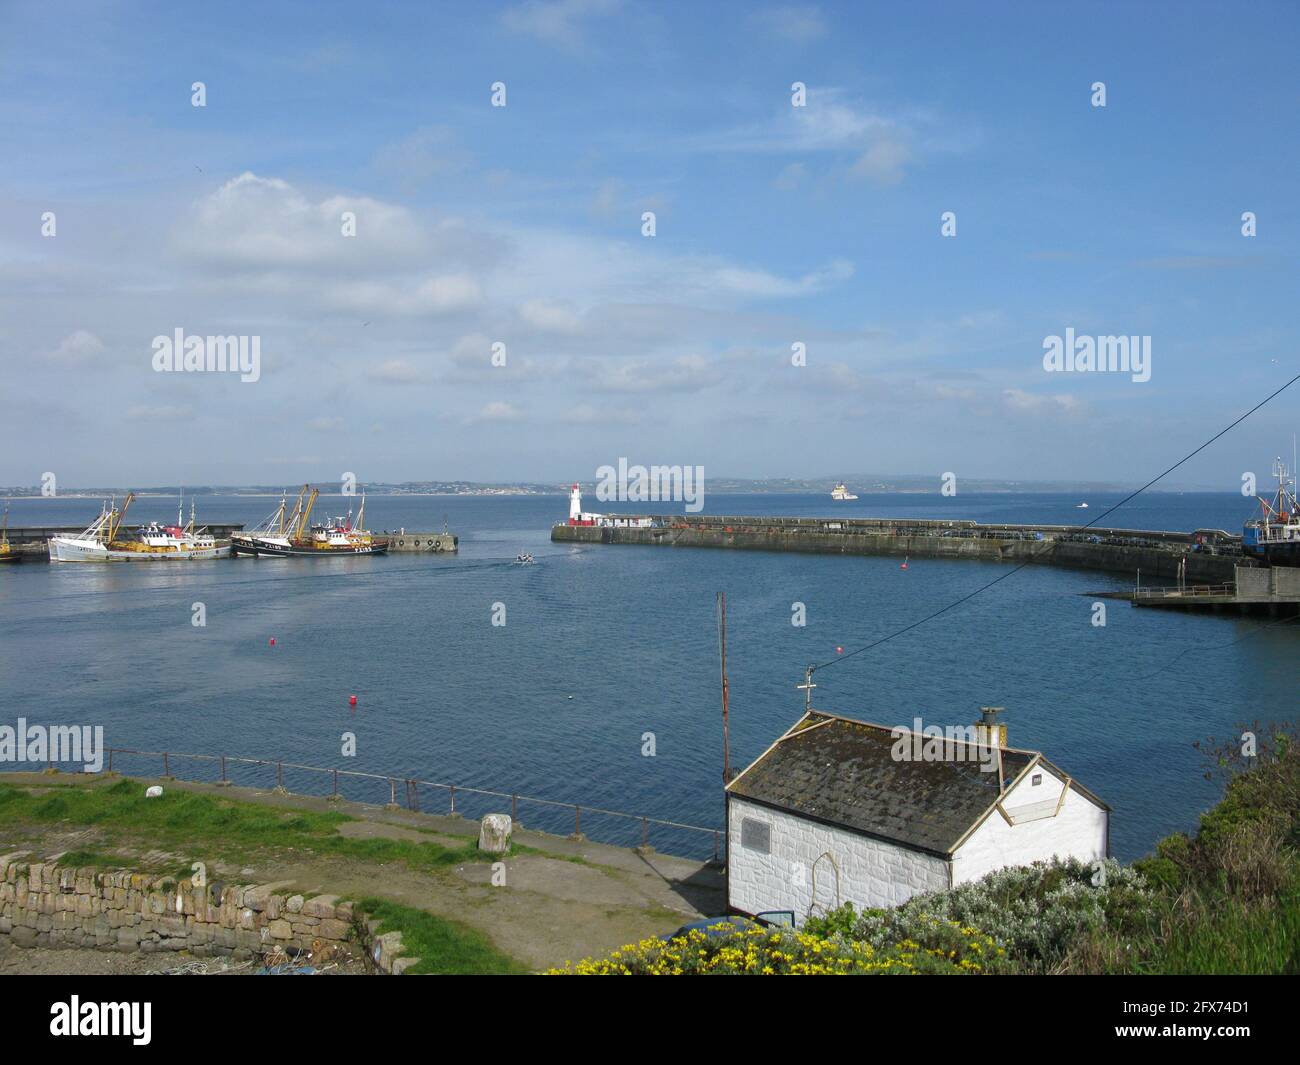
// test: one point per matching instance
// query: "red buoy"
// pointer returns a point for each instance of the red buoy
(272, 641)
(839, 650)
(352, 700)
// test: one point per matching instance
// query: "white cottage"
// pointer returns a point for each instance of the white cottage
(839, 810)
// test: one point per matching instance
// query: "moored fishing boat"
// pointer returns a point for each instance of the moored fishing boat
(7, 552)
(285, 534)
(1275, 535)
(104, 541)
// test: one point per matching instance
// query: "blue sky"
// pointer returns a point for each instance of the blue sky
(522, 225)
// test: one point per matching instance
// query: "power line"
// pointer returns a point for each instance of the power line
(983, 588)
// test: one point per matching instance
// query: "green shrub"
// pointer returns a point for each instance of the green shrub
(1036, 914)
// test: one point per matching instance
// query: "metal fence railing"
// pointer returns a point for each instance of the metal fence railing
(425, 796)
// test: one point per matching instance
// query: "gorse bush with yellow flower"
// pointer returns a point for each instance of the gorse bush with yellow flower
(754, 951)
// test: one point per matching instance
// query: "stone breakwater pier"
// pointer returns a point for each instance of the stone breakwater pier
(1204, 555)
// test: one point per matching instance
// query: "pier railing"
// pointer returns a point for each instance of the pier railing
(1190, 591)
(425, 796)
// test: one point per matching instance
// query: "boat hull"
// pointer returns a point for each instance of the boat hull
(281, 549)
(69, 549)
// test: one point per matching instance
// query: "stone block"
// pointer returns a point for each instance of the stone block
(328, 929)
(320, 906)
(494, 833)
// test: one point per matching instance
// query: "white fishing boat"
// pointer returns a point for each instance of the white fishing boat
(841, 493)
(104, 541)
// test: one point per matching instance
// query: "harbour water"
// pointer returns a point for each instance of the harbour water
(602, 646)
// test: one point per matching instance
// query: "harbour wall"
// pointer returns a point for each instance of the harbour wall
(422, 541)
(1156, 555)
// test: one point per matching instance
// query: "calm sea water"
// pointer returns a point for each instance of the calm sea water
(605, 644)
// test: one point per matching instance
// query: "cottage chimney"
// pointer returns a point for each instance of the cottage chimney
(988, 732)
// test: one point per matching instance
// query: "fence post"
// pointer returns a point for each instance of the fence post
(452, 791)
(645, 833)
(223, 768)
(279, 774)
(166, 768)
(715, 846)
(577, 820)
(110, 759)
(514, 808)
(336, 782)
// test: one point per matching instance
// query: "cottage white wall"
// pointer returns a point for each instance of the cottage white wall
(872, 873)
(1078, 831)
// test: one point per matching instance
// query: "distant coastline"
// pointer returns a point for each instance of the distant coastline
(864, 486)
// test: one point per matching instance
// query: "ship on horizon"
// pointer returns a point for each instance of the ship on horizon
(841, 493)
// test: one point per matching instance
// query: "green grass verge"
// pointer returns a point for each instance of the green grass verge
(221, 828)
(444, 947)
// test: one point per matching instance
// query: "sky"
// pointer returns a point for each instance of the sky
(522, 225)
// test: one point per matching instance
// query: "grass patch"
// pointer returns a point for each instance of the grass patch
(444, 947)
(220, 828)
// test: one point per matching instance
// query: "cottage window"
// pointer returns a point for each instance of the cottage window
(1038, 779)
(756, 835)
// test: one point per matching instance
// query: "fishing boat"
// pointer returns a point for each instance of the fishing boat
(7, 552)
(524, 560)
(1274, 535)
(841, 493)
(104, 540)
(284, 533)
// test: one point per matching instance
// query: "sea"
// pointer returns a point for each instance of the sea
(592, 676)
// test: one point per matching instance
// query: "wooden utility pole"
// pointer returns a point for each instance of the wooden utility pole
(722, 655)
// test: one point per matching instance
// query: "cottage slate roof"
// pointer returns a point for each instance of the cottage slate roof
(842, 772)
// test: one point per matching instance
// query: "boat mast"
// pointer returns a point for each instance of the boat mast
(116, 517)
(726, 687)
(301, 529)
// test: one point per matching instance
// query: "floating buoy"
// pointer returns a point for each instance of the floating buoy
(352, 700)
(272, 641)
(839, 650)
(904, 565)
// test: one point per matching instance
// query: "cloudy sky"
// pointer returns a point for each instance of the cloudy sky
(522, 225)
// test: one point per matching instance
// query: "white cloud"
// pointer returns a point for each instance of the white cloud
(497, 411)
(800, 24)
(430, 296)
(550, 317)
(429, 152)
(1031, 403)
(397, 372)
(78, 349)
(556, 22)
(883, 162)
(161, 413)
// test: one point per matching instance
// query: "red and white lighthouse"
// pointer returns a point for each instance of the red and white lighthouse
(576, 516)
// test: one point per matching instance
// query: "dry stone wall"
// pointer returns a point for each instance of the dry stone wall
(43, 904)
